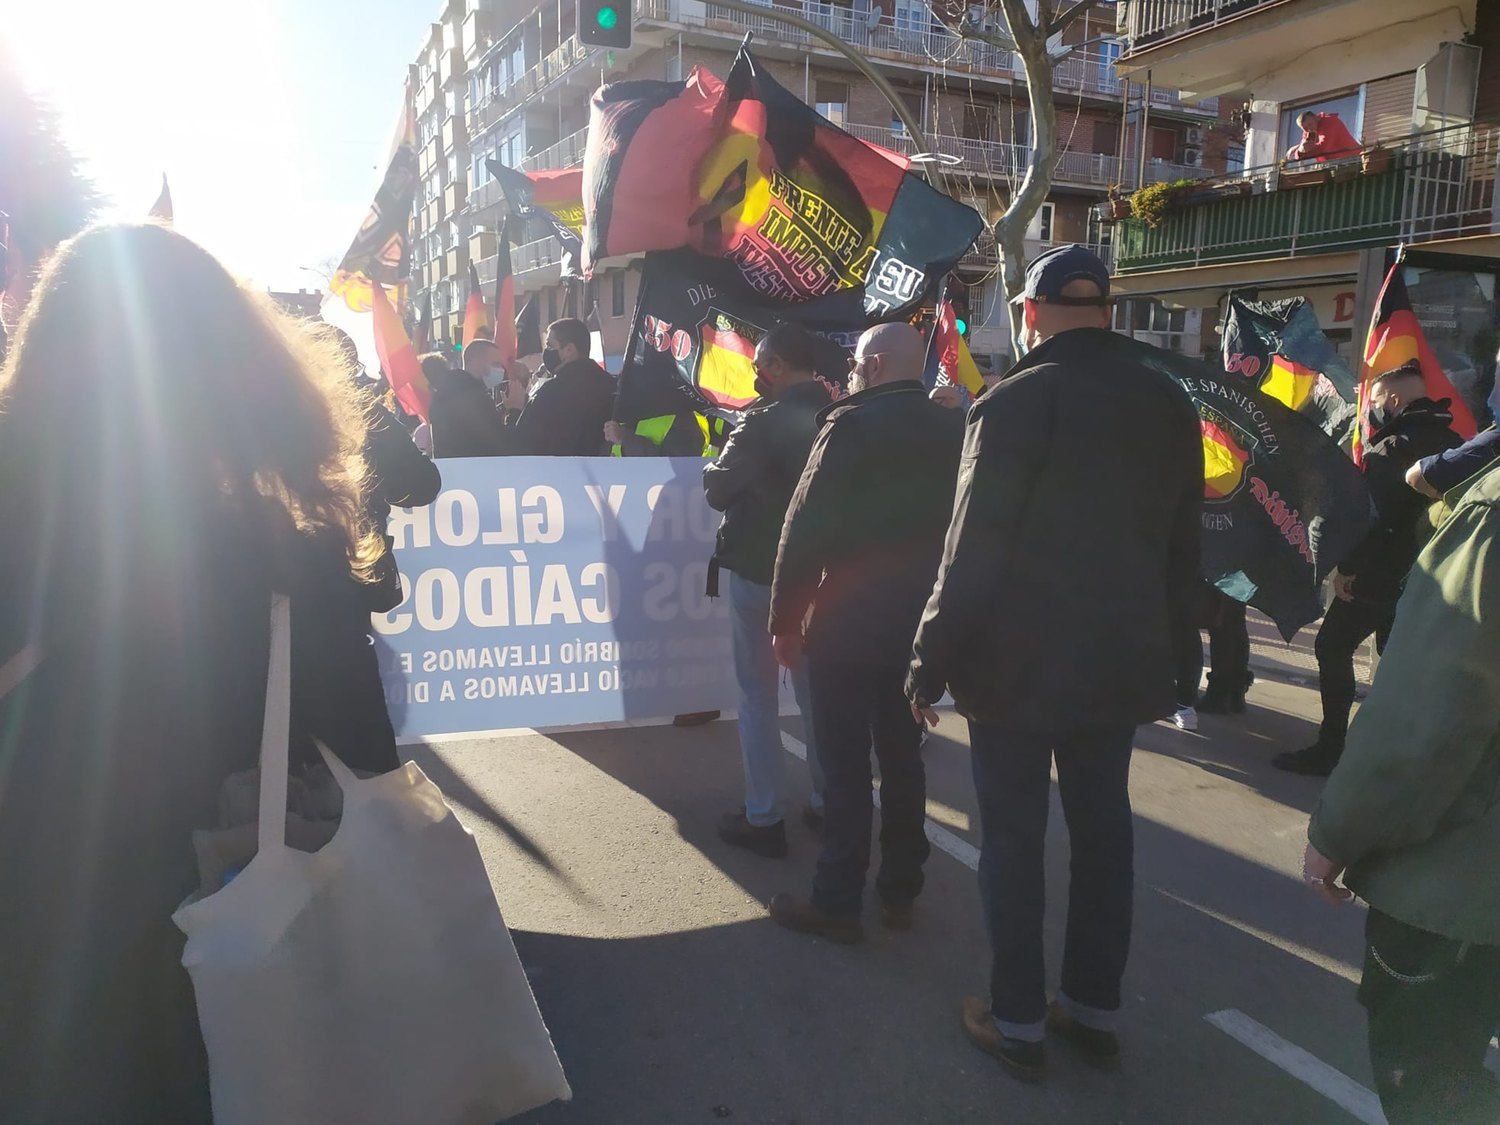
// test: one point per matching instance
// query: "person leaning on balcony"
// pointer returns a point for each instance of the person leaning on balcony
(1324, 137)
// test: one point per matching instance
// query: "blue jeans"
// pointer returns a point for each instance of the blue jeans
(1012, 776)
(756, 671)
(859, 707)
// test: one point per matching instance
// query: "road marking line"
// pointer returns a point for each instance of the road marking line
(1308, 1069)
(940, 838)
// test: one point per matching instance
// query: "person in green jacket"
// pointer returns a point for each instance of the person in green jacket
(1411, 819)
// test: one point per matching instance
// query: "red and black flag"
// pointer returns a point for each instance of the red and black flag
(380, 251)
(504, 320)
(549, 204)
(703, 317)
(1279, 346)
(529, 327)
(1282, 503)
(1396, 337)
(162, 208)
(422, 341)
(746, 171)
(476, 324)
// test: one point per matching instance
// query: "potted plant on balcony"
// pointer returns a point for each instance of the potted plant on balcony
(1151, 203)
(1115, 206)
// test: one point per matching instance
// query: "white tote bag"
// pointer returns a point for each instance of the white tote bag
(372, 982)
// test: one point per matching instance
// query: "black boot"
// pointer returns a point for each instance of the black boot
(1316, 760)
(1220, 701)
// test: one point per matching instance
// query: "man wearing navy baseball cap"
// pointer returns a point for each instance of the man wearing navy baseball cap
(1074, 542)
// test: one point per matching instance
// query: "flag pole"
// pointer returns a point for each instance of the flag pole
(630, 342)
(927, 360)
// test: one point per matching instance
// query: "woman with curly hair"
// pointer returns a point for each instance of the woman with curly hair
(172, 452)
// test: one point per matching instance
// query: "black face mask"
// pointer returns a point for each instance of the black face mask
(1378, 418)
(552, 359)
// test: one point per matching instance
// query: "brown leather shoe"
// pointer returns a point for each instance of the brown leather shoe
(1025, 1061)
(1100, 1049)
(798, 914)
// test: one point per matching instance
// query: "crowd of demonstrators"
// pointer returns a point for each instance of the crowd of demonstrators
(167, 462)
(751, 482)
(563, 412)
(464, 417)
(1410, 819)
(665, 423)
(1051, 654)
(858, 555)
(1037, 560)
(490, 408)
(1407, 427)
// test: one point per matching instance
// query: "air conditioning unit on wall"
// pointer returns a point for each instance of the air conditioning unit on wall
(1193, 136)
(1192, 157)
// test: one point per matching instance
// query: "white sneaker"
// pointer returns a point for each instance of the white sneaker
(1186, 719)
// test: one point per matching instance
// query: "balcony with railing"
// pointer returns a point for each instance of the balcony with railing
(1173, 101)
(998, 160)
(1223, 46)
(542, 254)
(1151, 21)
(1424, 188)
(985, 253)
(930, 45)
(566, 153)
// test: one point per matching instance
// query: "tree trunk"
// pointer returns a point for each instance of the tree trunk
(1011, 227)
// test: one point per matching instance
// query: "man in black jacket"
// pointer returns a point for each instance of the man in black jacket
(465, 421)
(752, 482)
(565, 413)
(1074, 539)
(1405, 427)
(860, 550)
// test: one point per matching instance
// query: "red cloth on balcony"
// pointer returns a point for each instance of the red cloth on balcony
(1328, 140)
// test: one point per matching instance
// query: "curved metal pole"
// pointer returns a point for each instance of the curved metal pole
(861, 64)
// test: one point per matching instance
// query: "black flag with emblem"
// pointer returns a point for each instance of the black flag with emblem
(1282, 503)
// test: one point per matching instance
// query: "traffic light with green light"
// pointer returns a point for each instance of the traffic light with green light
(605, 23)
(958, 297)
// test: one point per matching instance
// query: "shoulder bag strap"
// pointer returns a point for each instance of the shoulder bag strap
(15, 670)
(276, 728)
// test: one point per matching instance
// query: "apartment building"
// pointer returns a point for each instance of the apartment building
(525, 101)
(1416, 83)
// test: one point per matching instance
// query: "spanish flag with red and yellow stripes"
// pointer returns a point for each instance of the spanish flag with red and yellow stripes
(476, 315)
(398, 359)
(955, 361)
(1395, 338)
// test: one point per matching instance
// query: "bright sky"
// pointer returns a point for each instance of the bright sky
(271, 119)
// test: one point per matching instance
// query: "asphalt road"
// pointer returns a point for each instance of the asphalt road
(673, 999)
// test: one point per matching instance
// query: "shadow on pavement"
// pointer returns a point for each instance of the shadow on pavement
(1239, 748)
(775, 1027)
(460, 792)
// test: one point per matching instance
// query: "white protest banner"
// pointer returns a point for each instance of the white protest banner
(554, 591)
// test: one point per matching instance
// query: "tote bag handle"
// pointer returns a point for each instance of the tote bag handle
(276, 728)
